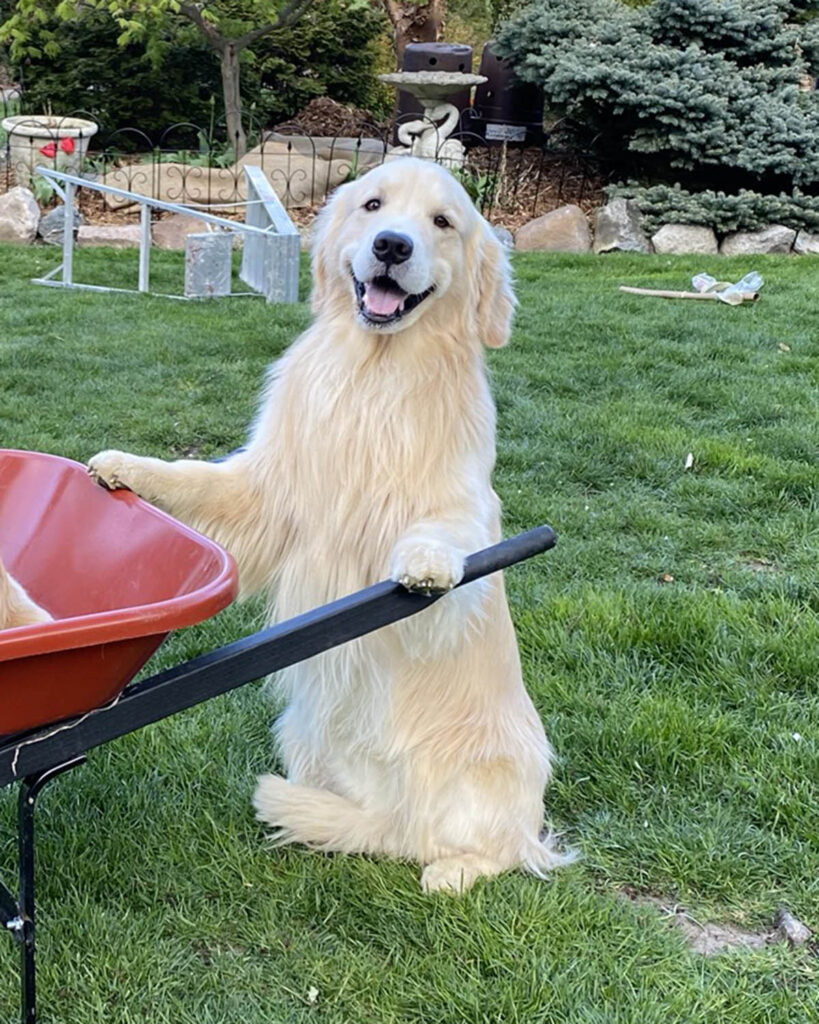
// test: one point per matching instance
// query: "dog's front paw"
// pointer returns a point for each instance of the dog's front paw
(114, 470)
(430, 568)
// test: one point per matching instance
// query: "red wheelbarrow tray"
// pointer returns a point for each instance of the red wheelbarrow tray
(116, 574)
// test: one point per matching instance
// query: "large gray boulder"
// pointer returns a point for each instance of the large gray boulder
(52, 225)
(115, 236)
(618, 226)
(563, 230)
(682, 239)
(775, 238)
(171, 232)
(806, 244)
(19, 216)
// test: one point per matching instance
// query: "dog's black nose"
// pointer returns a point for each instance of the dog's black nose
(392, 247)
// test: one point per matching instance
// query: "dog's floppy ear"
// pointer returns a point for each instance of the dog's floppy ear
(493, 289)
(321, 249)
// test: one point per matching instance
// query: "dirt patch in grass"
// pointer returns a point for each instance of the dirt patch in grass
(760, 565)
(709, 938)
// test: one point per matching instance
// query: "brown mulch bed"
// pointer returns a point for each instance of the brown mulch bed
(325, 117)
(530, 183)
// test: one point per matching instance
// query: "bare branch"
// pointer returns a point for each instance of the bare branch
(288, 15)
(291, 12)
(194, 13)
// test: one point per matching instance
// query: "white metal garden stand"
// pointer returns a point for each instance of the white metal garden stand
(270, 256)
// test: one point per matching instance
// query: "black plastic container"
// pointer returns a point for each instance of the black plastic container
(506, 109)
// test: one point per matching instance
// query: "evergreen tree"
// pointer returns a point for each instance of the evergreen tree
(709, 93)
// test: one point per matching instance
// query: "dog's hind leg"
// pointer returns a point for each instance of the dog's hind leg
(457, 874)
(319, 818)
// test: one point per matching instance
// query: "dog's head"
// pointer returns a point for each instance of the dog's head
(404, 243)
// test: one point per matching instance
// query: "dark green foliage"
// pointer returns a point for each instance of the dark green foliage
(331, 51)
(702, 91)
(122, 86)
(744, 211)
(499, 11)
(173, 76)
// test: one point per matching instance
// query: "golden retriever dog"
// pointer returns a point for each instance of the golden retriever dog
(16, 607)
(372, 456)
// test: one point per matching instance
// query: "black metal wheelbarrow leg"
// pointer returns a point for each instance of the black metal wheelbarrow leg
(33, 759)
(18, 916)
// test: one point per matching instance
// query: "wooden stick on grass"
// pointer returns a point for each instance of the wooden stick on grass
(660, 294)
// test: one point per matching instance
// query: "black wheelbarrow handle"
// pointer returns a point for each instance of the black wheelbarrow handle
(245, 660)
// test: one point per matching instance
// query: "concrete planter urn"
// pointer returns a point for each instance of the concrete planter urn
(48, 141)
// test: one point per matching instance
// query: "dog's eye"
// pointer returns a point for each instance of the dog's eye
(372, 205)
(442, 222)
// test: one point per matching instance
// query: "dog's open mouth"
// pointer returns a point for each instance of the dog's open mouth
(382, 301)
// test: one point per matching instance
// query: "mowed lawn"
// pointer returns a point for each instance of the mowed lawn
(670, 642)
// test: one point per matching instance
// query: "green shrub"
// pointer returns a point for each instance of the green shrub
(742, 211)
(174, 77)
(706, 92)
(121, 86)
(331, 51)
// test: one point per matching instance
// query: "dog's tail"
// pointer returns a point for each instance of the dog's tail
(318, 818)
(543, 855)
(16, 607)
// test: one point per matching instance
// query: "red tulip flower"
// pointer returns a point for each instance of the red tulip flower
(49, 150)
(67, 146)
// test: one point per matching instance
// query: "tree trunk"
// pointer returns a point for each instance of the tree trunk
(233, 98)
(414, 23)
(229, 51)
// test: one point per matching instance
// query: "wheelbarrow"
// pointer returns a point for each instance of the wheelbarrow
(118, 575)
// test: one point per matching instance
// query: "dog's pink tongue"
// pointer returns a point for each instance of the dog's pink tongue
(381, 301)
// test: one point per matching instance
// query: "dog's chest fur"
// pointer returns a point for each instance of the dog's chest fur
(368, 454)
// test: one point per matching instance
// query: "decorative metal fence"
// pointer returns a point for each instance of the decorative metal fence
(510, 183)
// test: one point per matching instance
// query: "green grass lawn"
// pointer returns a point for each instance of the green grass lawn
(684, 711)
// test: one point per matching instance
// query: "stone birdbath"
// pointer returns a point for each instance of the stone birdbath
(429, 136)
(57, 142)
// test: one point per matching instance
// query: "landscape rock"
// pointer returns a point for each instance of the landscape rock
(19, 216)
(175, 183)
(301, 170)
(171, 232)
(806, 244)
(52, 225)
(682, 239)
(775, 238)
(618, 226)
(116, 236)
(563, 230)
(505, 237)
(791, 929)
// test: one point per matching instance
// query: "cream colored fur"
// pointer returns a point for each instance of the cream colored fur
(16, 607)
(371, 456)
